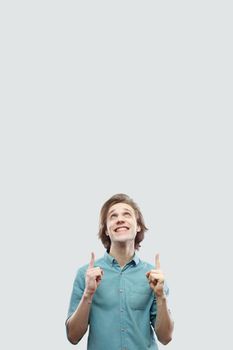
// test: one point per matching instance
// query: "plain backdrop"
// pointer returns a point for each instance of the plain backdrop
(101, 97)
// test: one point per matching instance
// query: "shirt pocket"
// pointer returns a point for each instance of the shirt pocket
(139, 298)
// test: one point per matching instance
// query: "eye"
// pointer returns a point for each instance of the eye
(113, 216)
(127, 214)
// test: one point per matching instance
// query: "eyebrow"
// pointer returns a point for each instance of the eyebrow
(126, 209)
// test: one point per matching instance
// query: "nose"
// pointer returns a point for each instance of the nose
(120, 220)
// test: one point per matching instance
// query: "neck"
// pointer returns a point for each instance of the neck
(122, 253)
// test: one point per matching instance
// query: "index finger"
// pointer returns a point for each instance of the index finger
(91, 263)
(157, 261)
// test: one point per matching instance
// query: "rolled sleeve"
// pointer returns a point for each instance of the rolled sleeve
(77, 292)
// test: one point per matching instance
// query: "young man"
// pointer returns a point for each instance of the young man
(120, 297)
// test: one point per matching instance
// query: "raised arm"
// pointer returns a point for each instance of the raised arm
(77, 324)
(164, 324)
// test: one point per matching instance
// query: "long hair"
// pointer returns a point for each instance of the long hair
(120, 198)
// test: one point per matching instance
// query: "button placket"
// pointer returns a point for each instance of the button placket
(122, 308)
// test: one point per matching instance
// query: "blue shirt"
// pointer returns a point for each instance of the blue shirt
(123, 310)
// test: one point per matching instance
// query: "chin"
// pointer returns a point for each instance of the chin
(124, 239)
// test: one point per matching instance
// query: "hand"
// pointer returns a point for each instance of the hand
(93, 277)
(156, 278)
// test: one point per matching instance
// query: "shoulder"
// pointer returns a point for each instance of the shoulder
(100, 261)
(146, 265)
(81, 271)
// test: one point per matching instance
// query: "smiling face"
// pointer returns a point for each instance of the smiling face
(105, 222)
(121, 223)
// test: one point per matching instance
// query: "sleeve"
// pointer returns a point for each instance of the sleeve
(153, 309)
(77, 292)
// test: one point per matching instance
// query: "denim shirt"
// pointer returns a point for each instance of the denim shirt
(123, 309)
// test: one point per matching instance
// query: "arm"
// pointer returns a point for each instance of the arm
(77, 324)
(164, 324)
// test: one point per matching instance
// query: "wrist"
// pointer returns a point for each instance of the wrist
(161, 300)
(160, 296)
(87, 296)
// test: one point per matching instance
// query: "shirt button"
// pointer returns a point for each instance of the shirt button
(121, 290)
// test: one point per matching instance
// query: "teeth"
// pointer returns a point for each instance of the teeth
(121, 229)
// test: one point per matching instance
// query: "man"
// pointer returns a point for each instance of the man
(120, 297)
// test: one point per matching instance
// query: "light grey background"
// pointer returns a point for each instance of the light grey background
(105, 97)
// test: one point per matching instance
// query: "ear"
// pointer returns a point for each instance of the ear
(106, 232)
(138, 228)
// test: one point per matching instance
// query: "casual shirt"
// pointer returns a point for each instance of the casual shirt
(123, 309)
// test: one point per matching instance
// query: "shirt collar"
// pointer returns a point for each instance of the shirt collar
(111, 260)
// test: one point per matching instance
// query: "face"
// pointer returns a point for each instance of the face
(121, 223)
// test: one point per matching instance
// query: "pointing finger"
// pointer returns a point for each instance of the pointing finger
(91, 264)
(157, 261)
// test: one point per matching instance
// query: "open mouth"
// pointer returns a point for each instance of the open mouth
(121, 228)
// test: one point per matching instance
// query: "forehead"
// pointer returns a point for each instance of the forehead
(121, 206)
